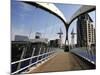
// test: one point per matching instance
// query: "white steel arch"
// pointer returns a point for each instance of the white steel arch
(50, 7)
(82, 10)
(53, 8)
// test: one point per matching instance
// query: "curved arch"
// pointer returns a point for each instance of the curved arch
(82, 10)
(49, 7)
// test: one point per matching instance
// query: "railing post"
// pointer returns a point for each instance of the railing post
(38, 54)
(19, 64)
(48, 51)
(43, 52)
(51, 51)
(32, 55)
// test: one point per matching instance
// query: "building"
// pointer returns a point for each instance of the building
(24, 45)
(21, 38)
(85, 31)
(37, 35)
(94, 33)
(55, 43)
(42, 40)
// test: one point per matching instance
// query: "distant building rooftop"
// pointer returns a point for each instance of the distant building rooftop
(44, 40)
(21, 38)
(86, 16)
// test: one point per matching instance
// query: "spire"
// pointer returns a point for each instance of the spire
(60, 33)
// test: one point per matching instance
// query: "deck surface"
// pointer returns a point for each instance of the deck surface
(63, 61)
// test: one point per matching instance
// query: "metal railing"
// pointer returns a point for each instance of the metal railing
(85, 53)
(33, 60)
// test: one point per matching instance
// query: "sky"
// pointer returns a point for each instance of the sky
(27, 20)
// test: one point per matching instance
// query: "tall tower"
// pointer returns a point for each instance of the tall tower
(84, 30)
(60, 36)
(73, 38)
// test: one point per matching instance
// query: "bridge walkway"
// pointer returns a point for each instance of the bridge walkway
(63, 61)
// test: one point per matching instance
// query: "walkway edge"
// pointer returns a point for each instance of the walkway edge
(38, 65)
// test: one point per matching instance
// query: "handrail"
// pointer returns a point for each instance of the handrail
(30, 64)
(83, 53)
(29, 58)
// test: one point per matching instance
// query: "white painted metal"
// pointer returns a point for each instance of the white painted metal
(51, 7)
(19, 64)
(30, 65)
(32, 55)
(29, 58)
(20, 69)
(39, 54)
(81, 10)
(43, 52)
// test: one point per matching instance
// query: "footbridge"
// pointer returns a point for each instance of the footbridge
(49, 59)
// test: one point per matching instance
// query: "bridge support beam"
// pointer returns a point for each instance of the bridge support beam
(67, 46)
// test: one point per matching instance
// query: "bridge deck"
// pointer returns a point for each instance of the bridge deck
(63, 61)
